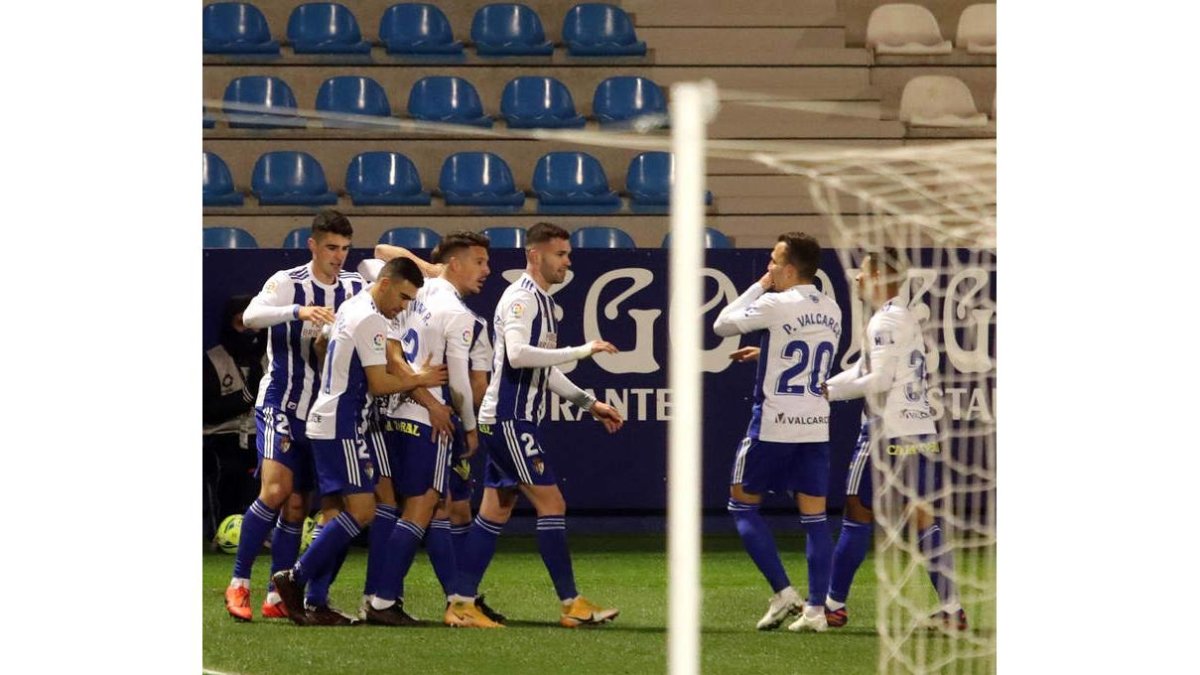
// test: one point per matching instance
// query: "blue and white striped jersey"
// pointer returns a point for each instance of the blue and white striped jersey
(293, 376)
(359, 340)
(481, 347)
(525, 312)
(800, 329)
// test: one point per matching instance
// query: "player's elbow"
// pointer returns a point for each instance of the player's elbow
(724, 328)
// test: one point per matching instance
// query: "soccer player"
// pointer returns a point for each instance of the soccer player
(294, 304)
(355, 367)
(524, 374)
(891, 377)
(787, 443)
(437, 327)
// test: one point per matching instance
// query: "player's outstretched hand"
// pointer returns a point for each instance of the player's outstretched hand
(439, 420)
(317, 314)
(744, 354)
(608, 416)
(602, 346)
(431, 374)
(472, 444)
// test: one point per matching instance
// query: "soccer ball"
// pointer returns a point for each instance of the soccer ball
(306, 534)
(229, 532)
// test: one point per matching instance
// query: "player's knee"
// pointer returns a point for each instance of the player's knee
(295, 509)
(856, 511)
(274, 494)
(459, 512)
(362, 513)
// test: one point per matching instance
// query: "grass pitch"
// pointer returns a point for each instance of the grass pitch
(626, 571)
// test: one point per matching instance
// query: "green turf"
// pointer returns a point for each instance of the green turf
(627, 571)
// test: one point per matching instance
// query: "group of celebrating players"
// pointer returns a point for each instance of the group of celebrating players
(381, 385)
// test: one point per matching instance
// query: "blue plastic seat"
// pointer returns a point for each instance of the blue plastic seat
(384, 178)
(505, 237)
(538, 102)
(288, 177)
(601, 237)
(621, 100)
(712, 239)
(325, 28)
(352, 95)
(446, 99)
(648, 180)
(237, 28)
(417, 28)
(504, 29)
(597, 29)
(411, 237)
(478, 179)
(261, 91)
(297, 238)
(228, 237)
(572, 179)
(218, 183)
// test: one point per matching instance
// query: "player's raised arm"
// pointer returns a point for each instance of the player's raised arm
(386, 252)
(518, 326)
(747, 313)
(560, 384)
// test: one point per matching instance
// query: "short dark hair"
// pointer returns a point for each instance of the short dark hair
(456, 241)
(804, 253)
(329, 221)
(544, 232)
(398, 269)
(889, 257)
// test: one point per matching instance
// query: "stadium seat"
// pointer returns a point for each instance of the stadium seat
(209, 122)
(601, 237)
(288, 177)
(218, 183)
(939, 101)
(597, 29)
(505, 237)
(352, 95)
(446, 99)
(297, 238)
(228, 237)
(904, 28)
(623, 99)
(648, 180)
(376, 178)
(411, 237)
(417, 28)
(325, 28)
(538, 102)
(712, 239)
(478, 179)
(263, 92)
(977, 29)
(237, 28)
(509, 30)
(572, 179)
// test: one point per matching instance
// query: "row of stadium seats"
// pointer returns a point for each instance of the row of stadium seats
(527, 102)
(425, 238)
(589, 29)
(574, 179)
(904, 28)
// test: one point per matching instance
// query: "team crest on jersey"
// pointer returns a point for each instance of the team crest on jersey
(270, 287)
(517, 309)
(538, 466)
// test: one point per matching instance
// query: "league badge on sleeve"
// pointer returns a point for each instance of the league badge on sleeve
(467, 335)
(517, 310)
(378, 341)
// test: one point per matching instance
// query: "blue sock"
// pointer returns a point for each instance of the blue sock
(323, 554)
(458, 535)
(940, 561)
(552, 544)
(317, 594)
(440, 546)
(818, 549)
(402, 548)
(479, 549)
(851, 550)
(759, 543)
(377, 545)
(256, 525)
(285, 546)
